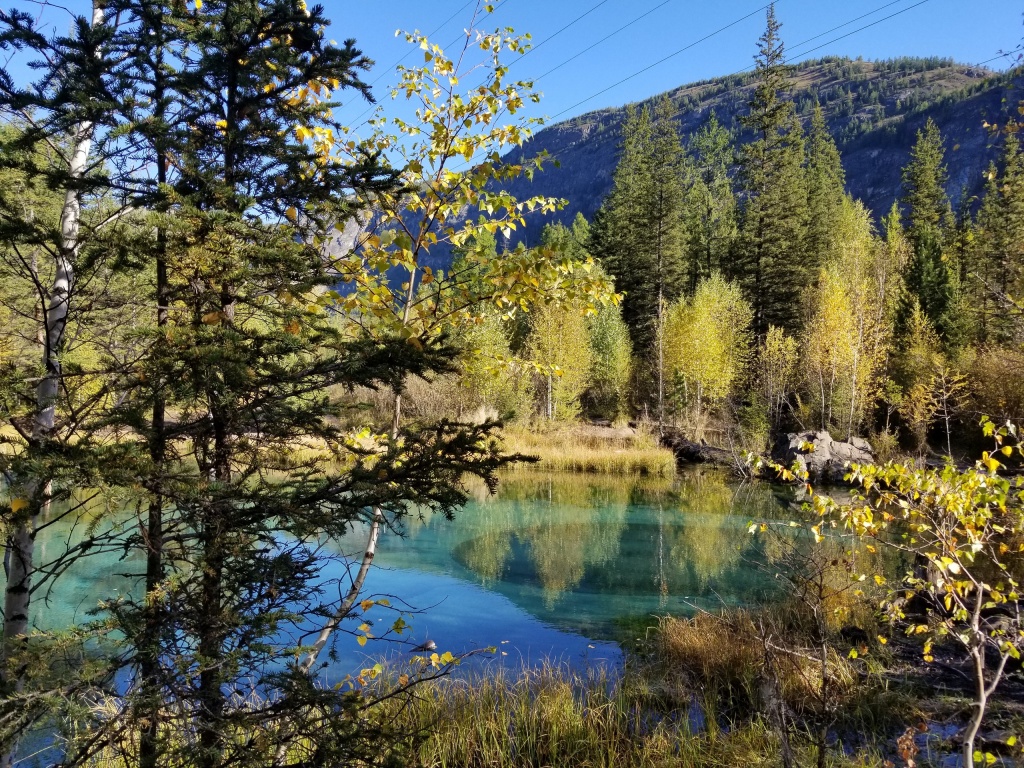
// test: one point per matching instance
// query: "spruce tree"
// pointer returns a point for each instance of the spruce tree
(932, 286)
(710, 211)
(997, 252)
(826, 181)
(932, 281)
(925, 177)
(223, 110)
(638, 234)
(771, 262)
(619, 235)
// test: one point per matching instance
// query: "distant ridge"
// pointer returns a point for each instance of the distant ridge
(874, 109)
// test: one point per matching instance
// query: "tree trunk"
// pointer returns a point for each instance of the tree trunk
(19, 557)
(149, 647)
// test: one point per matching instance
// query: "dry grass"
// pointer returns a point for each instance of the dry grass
(717, 656)
(592, 450)
(556, 716)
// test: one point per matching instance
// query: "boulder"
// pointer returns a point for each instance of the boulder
(827, 460)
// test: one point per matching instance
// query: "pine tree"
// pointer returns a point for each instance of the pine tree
(710, 212)
(826, 181)
(997, 253)
(638, 234)
(771, 264)
(925, 177)
(619, 235)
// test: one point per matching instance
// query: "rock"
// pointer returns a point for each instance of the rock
(828, 460)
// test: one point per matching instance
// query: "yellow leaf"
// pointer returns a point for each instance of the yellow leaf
(291, 213)
(366, 605)
(361, 640)
(292, 327)
(199, 5)
(18, 504)
(212, 318)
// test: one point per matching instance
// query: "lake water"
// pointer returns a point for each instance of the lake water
(547, 569)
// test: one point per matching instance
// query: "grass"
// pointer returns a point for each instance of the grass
(658, 712)
(556, 716)
(592, 450)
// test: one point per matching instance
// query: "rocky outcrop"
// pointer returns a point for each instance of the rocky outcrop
(825, 460)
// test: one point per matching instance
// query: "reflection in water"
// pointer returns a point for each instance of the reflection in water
(576, 552)
(579, 551)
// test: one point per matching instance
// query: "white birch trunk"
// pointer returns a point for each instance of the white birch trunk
(20, 546)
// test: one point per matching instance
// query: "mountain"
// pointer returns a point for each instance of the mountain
(874, 109)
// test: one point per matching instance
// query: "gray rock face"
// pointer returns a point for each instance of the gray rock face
(828, 461)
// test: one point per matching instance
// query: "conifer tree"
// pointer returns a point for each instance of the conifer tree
(826, 181)
(925, 177)
(638, 234)
(997, 254)
(710, 212)
(619, 235)
(770, 254)
(241, 344)
(932, 286)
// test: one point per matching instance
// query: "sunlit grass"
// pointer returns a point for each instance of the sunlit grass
(558, 716)
(575, 449)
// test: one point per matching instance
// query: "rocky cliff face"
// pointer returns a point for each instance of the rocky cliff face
(873, 108)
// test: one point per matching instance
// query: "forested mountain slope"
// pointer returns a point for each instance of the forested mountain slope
(874, 110)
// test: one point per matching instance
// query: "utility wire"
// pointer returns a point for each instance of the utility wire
(408, 53)
(551, 37)
(603, 39)
(861, 29)
(847, 23)
(359, 119)
(1016, 53)
(789, 60)
(663, 60)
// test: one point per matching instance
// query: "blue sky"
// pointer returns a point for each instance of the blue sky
(970, 31)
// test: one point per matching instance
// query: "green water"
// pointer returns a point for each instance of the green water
(549, 567)
(580, 553)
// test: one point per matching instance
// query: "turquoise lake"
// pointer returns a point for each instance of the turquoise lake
(544, 570)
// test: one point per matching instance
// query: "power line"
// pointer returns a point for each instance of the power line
(1016, 53)
(408, 53)
(663, 60)
(848, 23)
(879, 21)
(866, 26)
(359, 118)
(603, 39)
(549, 38)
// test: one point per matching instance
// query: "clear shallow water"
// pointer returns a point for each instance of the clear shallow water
(551, 565)
(543, 570)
